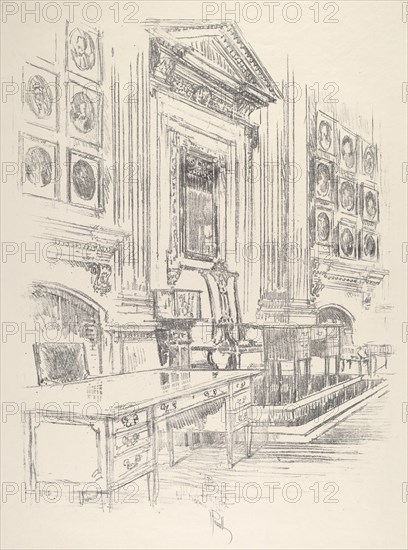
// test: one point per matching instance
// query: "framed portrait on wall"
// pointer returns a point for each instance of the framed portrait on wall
(325, 133)
(40, 173)
(41, 97)
(369, 204)
(84, 180)
(323, 180)
(347, 196)
(84, 113)
(369, 246)
(323, 226)
(83, 52)
(347, 240)
(347, 150)
(369, 160)
(199, 220)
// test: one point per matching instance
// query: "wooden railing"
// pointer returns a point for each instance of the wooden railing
(315, 405)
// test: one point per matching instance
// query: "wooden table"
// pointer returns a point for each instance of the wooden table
(98, 435)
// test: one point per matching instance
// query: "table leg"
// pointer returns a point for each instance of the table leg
(153, 485)
(153, 476)
(30, 454)
(248, 439)
(170, 444)
(229, 426)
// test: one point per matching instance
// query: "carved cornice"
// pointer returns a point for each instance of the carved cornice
(344, 276)
(208, 76)
(73, 242)
(218, 45)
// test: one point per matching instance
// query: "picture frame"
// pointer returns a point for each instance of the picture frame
(83, 52)
(323, 226)
(370, 210)
(347, 196)
(84, 112)
(84, 180)
(40, 167)
(41, 96)
(347, 240)
(369, 246)
(348, 150)
(325, 133)
(369, 160)
(323, 181)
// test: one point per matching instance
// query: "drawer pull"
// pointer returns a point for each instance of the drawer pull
(212, 393)
(129, 421)
(167, 407)
(130, 441)
(130, 465)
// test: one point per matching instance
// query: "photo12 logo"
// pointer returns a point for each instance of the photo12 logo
(271, 12)
(87, 12)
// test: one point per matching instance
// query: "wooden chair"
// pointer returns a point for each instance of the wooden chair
(228, 339)
(60, 362)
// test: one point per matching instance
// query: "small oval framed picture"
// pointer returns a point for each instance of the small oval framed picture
(348, 150)
(325, 133)
(369, 204)
(40, 168)
(369, 246)
(347, 196)
(41, 96)
(323, 226)
(347, 240)
(84, 180)
(83, 53)
(323, 180)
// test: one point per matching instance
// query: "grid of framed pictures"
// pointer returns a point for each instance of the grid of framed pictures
(344, 193)
(77, 137)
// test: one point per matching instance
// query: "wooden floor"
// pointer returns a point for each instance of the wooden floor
(342, 453)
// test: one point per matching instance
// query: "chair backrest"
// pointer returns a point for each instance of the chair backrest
(223, 293)
(60, 362)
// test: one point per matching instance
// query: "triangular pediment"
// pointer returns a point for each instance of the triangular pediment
(220, 49)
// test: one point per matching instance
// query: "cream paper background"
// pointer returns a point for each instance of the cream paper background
(365, 53)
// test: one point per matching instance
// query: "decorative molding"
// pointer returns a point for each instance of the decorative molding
(218, 75)
(223, 52)
(173, 254)
(202, 95)
(100, 277)
(72, 242)
(252, 133)
(344, 276)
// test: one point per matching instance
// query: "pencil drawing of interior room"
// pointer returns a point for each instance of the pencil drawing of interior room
(211, 261)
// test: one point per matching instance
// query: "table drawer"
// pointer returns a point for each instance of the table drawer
(132, 419)
(132, 465)
(173, 406)
(240, 385)
(129, 439)
(241, 399)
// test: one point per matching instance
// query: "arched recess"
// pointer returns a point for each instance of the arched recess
(63, 314)
(336, 314)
